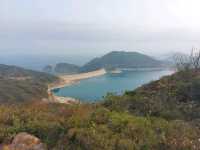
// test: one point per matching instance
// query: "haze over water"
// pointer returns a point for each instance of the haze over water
(94, 89)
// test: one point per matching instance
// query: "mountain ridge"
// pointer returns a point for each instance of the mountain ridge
(121, 59)
(112, 61)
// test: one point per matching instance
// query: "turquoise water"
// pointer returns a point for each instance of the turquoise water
(94, 89)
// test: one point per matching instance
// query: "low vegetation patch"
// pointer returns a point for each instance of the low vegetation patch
(94, 127)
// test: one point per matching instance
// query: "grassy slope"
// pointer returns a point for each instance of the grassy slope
(95, 128)
(13, 88)
(139, 120)
(172, 97)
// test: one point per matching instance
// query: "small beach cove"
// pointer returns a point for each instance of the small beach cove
(68, 80)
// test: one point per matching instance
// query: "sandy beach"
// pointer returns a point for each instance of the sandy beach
(67, 80)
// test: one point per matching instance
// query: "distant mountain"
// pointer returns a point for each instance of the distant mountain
(65, 68)
(62, 68)
(48, 69)
(121, 59)
(19, 85)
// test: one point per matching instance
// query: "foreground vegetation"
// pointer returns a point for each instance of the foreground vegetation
(95, 127)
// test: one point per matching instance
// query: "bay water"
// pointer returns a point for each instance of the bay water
(93, 89)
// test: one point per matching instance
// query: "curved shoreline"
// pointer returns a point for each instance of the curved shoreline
(67, 80)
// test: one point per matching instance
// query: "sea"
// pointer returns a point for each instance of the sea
(94, 89)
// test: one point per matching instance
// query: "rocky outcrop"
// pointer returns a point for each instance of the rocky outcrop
(24, 141)
(62, 68)
(48, 69)
(66, 68)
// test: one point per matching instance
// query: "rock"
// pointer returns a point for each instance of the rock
(48, 69)
(66, 68)
(24, 141)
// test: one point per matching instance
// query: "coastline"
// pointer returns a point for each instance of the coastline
(67, 80)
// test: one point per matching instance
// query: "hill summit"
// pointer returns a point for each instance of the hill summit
(121, 59)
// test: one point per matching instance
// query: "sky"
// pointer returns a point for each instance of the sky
(92, 27)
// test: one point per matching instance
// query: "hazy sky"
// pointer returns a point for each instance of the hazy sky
(98, 26)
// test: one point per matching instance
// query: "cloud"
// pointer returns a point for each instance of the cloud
(67, 26)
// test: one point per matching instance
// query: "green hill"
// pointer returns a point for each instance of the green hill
(19, 85)
(121, 59)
